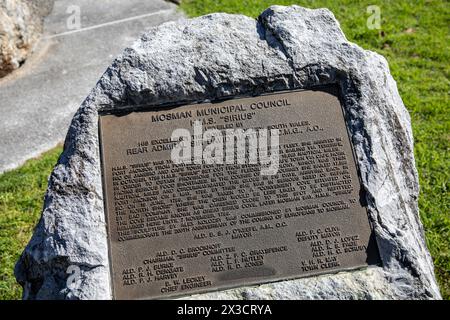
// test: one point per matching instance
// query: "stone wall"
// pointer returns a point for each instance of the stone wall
(21, 24)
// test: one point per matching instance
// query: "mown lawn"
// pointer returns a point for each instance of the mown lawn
(414, 37)
(21, 199)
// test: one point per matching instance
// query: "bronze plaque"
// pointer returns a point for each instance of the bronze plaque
(178, 229)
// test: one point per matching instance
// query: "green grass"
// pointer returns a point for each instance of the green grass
(21, 199)
(414, 37)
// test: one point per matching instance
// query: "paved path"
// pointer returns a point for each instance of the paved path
(39, 99)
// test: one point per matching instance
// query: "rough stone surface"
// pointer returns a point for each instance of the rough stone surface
(21, 24)
(220, 55)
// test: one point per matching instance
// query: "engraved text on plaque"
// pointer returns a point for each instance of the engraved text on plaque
(177, 229)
